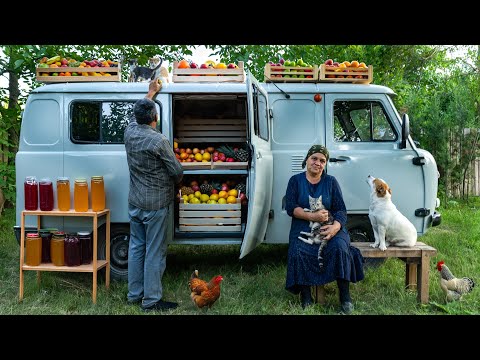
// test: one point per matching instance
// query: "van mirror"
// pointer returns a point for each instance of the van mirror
(405, 131)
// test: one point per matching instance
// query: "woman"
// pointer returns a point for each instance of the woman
(341, 262)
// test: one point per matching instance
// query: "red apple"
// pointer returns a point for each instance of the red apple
(231, 66)
(193, 66)
(204, 66)
(329, 62)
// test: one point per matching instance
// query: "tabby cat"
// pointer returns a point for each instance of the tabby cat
(314, 237)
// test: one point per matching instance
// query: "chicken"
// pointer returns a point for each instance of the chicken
(453, 287)
(203, 293)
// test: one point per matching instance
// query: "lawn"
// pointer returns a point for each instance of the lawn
(254, 285)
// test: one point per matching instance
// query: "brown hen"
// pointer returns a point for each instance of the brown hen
(203, 293)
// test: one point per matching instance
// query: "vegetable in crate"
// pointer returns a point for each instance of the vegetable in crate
(240, 155)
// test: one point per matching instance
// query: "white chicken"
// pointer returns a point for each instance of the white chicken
(453, 287)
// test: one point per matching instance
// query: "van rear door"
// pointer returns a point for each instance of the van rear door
(260, 179)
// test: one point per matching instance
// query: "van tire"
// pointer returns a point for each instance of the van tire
(360, 230)
(119, 240)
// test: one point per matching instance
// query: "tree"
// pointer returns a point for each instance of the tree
(20, 61)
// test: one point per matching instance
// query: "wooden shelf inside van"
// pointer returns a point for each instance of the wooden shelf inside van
(190, 130)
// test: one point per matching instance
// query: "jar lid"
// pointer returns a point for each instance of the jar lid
(62, 178)
(83, 233)
(45, 181)
(32, 235)
(97, 177)
(59, 233)
(81, 180)
(30, 179)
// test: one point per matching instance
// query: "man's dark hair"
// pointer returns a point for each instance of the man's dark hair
(145, 111)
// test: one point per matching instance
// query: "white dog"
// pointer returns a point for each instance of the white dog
(390, 226)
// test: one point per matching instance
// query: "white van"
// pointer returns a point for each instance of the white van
(76, 130)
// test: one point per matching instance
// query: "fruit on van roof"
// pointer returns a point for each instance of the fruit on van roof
(183, 64)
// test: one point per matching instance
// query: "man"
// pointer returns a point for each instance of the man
(154, 171)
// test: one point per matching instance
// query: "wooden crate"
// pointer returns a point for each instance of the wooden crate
(331, 73)
(214, 165)
(210, 217)
(278, 73)
(208, 75)
(229, 165)
(188, 130)
(196, 165)
(114, 71)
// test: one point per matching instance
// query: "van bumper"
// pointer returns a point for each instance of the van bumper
(436, 218)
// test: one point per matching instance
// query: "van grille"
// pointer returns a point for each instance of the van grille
(297, 163)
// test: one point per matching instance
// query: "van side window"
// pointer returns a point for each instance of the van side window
(100, 122)
(260, 112)
(362, 121)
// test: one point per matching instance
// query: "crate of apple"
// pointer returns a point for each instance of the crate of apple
(57, 69)
(209, 71)
(290, 71)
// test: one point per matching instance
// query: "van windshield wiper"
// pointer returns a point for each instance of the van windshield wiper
(283, 92)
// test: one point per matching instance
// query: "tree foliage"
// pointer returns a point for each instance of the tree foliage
(440, 92)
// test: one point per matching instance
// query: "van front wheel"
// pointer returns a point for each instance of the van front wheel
(119, 240)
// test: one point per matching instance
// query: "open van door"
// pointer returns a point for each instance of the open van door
(260, 178)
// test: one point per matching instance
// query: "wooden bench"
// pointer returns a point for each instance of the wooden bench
(417, 266)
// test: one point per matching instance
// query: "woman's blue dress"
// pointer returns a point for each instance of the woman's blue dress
(340, 260)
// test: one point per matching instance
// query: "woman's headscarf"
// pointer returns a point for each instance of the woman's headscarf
(315, 149)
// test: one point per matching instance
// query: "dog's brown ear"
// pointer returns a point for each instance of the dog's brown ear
(380, 189)
(390, 191)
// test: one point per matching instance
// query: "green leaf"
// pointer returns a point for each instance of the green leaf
(18, 63)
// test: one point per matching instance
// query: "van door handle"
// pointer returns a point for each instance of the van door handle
(336, 160)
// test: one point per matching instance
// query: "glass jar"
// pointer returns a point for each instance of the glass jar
(46, 194)
(33, 244)
(63, 193)
(57, 248)
(72, 250)
(98, 193)
(30, 188)
(86, 246)
(80, 195)
(46, 236)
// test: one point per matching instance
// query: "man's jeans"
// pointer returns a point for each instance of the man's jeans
(147, 254)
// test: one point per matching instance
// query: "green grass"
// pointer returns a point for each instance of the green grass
(254, 285)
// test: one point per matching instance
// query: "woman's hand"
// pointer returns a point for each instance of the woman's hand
(329, 231)
(319, 216)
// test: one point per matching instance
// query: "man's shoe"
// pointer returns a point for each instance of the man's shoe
(161, 306)
(346, 308)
